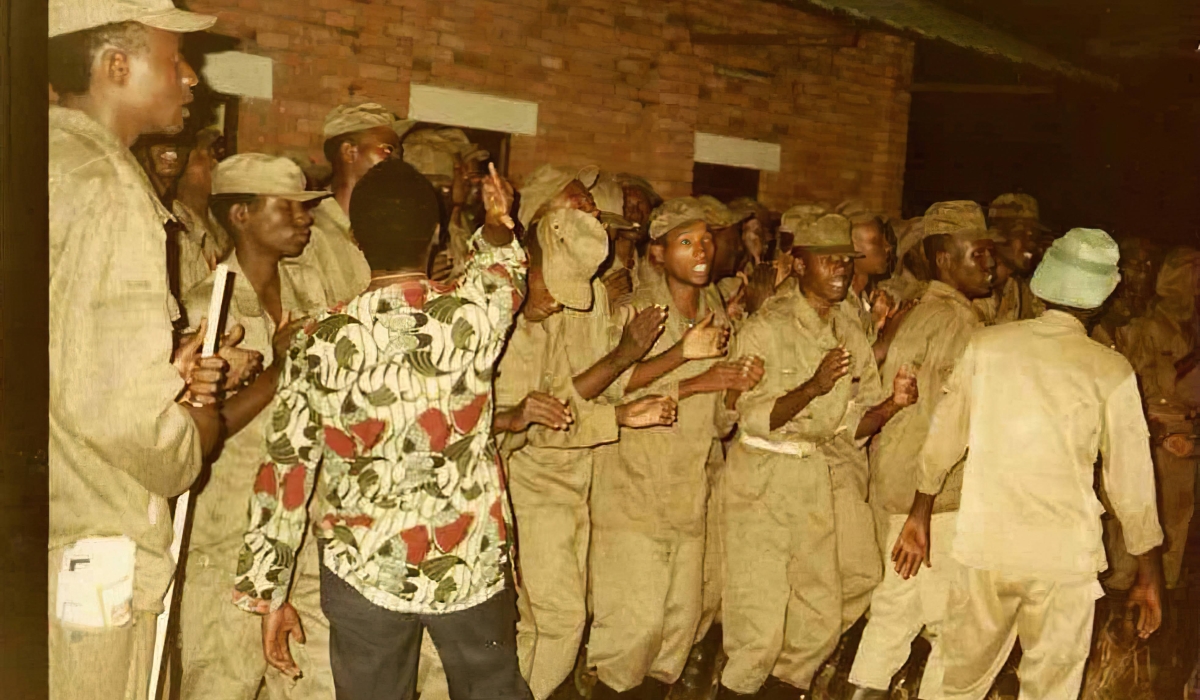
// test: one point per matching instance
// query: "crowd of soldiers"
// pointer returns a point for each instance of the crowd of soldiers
(474, 442)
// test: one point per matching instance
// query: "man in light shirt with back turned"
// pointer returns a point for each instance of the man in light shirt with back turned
(1032, 403)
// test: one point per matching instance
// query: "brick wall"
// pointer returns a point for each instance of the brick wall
(618, 83)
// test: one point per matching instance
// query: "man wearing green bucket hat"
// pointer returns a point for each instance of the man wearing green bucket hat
(1032, 404)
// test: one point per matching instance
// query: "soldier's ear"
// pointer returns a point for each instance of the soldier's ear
(798, 266)
(657, 253)
(348, 151)
(113, 65)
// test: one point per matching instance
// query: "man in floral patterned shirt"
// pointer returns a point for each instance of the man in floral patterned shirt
(391, 395)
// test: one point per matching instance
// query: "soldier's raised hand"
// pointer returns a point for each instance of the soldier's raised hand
(704, 340)
(642, 332)
(834, 366)
(646, 412)
(904, 387)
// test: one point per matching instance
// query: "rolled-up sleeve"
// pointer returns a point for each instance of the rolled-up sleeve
(1128, 468)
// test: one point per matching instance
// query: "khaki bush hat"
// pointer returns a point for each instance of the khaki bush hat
(67, 16)
(828, 235)
(960, 218)
(347, 119)
(718, 215)
(1079, 270)
(261, 174)
(573, 246)
(909, 234)
(857, 211)
(674, 213)
(432, 151)
(545, 183)
(1015, 206)
(608, 195)
(800, 216)
(745, 207)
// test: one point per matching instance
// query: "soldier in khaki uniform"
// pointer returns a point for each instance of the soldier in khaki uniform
(357, 137)
(1031, 404)
(555, 398)
(912, 275)
(202, 243)
(1015, 218)
(932, 339)
(261, 201)
(649, 492)
(549, 188)
(129, 428)
(801, 557)
(1157, 345)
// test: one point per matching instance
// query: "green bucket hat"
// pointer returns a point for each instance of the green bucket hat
(1079, 270)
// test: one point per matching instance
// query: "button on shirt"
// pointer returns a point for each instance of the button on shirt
(392, 397)
(1032, 403)
(119, 444)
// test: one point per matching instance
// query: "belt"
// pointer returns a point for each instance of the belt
(794, 449)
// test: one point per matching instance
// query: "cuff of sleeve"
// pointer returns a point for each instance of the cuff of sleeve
(250, 604)
(1142, 535)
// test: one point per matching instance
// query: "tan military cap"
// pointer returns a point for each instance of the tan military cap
(800, 216)
(261, 174)
(857, 211)
(909, 234)
(608, 195)
(1015, 206)
(1079, 270)
(573, 246)
(641, 183)
(745, 207)
(432, 151)
(962, 218)
(828, 235)
(674, 213)
(67, 16)
(346, 119)
(718, 215)
(545, 183)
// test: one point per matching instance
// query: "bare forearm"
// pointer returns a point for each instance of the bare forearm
(646, 372)
(506, 421)
(787, 406)
(877, 417)
(922, 507)
(239, 410)
(1149, 567)
(208, 424)
(596, 379)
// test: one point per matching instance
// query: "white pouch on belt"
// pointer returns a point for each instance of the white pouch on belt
(95, 583)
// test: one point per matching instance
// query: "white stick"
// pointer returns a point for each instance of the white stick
(181, 504)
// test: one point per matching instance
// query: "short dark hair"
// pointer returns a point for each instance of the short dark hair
(939, 243)
(394, 213)
(333, 146)
(71, 55)
(221, 204)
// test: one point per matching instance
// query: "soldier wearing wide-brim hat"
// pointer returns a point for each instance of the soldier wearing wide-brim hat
(120, 444)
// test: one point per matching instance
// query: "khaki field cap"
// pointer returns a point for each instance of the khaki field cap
(961, 219)
(573, 246)
(432, 151)
(718, 215)
(828, 235)
(261, 174)
(1015, 206)
(857, 211)
(675, 213)
(608, 195)
(346, 119)
(745, 207)
(909, 234)
(1079, 270)
(66, 16)
(800, 216)
(545, 183)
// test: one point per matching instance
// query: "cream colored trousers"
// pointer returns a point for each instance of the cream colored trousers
(221, 646)
(553, 528)
(714, 544)
(900, 609)
(987, 611)
(647, 596)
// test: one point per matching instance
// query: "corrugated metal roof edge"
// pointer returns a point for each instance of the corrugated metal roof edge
(933, 22)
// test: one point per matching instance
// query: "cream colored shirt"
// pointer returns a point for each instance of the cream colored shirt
(119, 444)
(1032, 403)
(933, 337)
(333, 254)
(221, 515)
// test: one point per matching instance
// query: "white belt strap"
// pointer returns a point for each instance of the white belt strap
(795, 449)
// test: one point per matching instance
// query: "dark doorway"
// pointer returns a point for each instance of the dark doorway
(724, 182)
